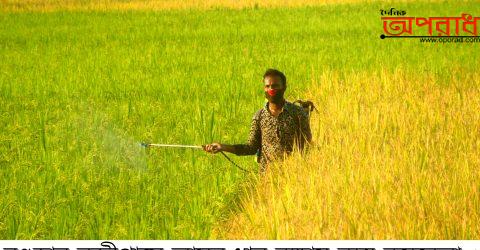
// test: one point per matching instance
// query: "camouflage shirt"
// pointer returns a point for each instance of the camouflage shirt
(273, 137)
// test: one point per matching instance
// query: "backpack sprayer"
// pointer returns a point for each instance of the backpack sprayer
(147, 145)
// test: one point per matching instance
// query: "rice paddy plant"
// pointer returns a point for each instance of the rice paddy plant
(80, 89)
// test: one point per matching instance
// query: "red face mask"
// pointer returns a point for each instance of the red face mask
(272, 92)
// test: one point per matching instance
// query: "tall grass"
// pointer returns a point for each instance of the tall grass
(80, 90)
(395, 157)
(149, 5)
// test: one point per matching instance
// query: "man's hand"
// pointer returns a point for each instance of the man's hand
(213, 148)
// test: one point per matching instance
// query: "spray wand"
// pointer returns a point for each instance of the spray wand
(147, 145)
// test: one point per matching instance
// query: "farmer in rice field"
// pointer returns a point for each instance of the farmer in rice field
(276, 128)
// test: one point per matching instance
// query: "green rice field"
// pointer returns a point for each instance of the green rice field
(79, 90)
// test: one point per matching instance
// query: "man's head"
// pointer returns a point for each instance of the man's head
(275, 84)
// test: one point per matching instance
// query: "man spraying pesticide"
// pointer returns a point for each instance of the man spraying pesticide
(275, 130)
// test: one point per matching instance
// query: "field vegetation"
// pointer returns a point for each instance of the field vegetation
(396, 136)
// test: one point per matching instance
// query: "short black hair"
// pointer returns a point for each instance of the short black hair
(274, 72)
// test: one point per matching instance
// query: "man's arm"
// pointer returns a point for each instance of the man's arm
(250, 148)
(254, 139)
